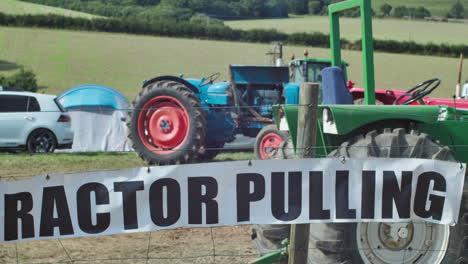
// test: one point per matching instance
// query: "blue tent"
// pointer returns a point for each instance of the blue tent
(96, 118)
(92, 95)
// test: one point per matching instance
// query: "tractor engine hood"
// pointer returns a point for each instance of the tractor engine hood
(267, 75)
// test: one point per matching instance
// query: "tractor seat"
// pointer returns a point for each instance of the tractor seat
(334, 89)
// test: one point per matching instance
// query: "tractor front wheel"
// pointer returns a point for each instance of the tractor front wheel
(268, 141)
(167, 124)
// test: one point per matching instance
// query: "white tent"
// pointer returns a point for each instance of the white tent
(96, 115)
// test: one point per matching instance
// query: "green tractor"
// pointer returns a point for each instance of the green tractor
(363, 131)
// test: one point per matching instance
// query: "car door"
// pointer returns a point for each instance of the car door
(13, 120)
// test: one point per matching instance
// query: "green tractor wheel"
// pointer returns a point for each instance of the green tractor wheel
(386, 243)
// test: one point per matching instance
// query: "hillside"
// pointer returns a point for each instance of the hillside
(20, 8)
(64, 59)
(394, 29)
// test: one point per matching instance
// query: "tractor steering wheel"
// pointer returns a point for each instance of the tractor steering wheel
(418, 92)
(210, 79)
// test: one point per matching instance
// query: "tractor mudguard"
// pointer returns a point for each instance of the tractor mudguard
(343, 119)
(172, 78)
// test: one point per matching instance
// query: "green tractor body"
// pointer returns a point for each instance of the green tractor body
(337, 123)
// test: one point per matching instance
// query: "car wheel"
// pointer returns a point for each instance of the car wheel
(41, 141)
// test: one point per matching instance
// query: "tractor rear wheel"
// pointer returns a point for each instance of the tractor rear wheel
(167, 124)
(268, 141)
(366, 243)
(363, 243)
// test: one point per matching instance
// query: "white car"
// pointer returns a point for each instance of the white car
(32, 121)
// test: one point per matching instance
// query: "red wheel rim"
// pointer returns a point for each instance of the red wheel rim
(269, 143)
(163, 125)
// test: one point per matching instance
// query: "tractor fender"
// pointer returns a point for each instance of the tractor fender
(174, 79)
(344, 119)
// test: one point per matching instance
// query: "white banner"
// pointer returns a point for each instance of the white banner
(230, 193)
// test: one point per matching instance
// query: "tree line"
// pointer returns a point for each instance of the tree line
(219, 32)
(178, 10)
(320, 7)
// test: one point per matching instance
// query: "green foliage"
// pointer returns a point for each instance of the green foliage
(386, 9)
(421, 12)
(205, 20)
(297, 6)
(219, 32)
(457, 11)
(180, 10)
(400, 11)
(24, 79)
(315, 7)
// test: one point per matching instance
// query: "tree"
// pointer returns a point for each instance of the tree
(385, 9)
(457, 11)
(400, 11)
(24, 79)
(256, 7)
(297, 6)
(276, 8)
(422, 12)
(315, 6)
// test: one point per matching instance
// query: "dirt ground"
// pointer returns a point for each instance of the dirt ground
(181, 245)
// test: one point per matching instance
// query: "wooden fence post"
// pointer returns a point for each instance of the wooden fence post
(306, 134)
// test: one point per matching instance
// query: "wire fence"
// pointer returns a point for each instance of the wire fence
(213, 244)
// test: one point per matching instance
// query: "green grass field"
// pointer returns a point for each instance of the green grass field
(21, 8)
(64, 59)
(394, 29)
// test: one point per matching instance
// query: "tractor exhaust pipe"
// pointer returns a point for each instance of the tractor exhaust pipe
(279, 60)
(460, 68)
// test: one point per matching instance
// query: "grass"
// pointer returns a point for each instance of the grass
(21, 8)
(64, 59)
(24, 165)
(394, 29)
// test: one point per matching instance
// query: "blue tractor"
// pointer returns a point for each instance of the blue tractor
(176, 120)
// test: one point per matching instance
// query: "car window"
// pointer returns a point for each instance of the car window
(13, 103)
(33, 105)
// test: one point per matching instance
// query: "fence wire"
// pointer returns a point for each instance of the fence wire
(184, 245)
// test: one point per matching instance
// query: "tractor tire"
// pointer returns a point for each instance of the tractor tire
(353, 243)
(210, 151)
(340, 244)
(269, 141)
(167, 124)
